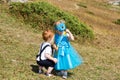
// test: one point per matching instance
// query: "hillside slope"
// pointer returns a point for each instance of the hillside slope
(19, 43)
(98, 15)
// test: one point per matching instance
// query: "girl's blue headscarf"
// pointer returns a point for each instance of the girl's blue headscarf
(60, 27)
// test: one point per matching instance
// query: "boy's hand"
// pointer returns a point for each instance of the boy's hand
(54, 47)
(55, 60)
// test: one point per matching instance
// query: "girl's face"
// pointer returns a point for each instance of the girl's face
(60, 33)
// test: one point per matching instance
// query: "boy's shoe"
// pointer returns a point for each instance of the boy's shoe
(48, 74)
(40, 71)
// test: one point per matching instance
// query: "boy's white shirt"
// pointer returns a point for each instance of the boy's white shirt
(47, 50)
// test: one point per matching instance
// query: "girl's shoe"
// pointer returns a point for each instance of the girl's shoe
(64, 75)
(60, 73)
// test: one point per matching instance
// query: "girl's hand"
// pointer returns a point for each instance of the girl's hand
(54, 47)
(71, 37)
(67, 30)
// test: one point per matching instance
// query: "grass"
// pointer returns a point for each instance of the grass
(20, 43)
(82, 5)
(102, 20)
(117, 21)
(40, 15)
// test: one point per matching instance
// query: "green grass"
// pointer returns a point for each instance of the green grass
(43, 15)
(117, 21)
(20, 43)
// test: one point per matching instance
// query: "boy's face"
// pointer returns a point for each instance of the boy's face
(51, 37)
(52, 40)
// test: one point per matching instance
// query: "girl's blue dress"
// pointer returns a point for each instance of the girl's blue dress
(67, 56)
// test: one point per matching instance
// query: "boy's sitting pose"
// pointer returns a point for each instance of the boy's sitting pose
(44, 57)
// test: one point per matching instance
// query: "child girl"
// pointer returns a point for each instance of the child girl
(44, 58)
(66, 55)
